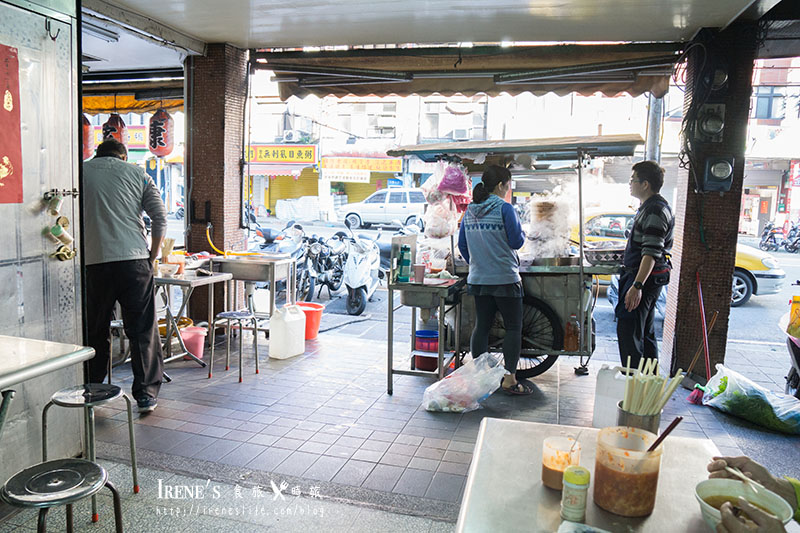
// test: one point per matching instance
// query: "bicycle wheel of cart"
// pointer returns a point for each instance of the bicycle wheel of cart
(541, 330)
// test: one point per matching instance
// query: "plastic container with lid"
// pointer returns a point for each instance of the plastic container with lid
(557, 454)
(574, 493)
(625, 474)
(609, 390)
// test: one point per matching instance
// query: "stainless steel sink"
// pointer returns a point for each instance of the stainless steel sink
(254, 268)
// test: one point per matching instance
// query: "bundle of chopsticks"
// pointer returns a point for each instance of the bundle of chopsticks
(646, 392)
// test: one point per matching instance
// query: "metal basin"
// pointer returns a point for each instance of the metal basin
(419, 299)
(253, 268)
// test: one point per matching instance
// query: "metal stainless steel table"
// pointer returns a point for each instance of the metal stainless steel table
(260, 268)
(433, 293)
(24, 359)
(504, 489)
(188, 282)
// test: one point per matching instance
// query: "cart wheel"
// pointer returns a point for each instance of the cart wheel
(541, 330)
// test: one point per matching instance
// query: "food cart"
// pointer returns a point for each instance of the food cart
(559, 287)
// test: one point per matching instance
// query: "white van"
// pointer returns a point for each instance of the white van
(384, 206)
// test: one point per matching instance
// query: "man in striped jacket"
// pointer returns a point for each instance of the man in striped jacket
(646, 265)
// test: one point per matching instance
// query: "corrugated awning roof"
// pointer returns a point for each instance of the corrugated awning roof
(586, 69)
(552, 148)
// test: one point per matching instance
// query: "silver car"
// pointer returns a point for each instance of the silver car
(385, 206)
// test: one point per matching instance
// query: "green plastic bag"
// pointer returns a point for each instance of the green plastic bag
(733, 393)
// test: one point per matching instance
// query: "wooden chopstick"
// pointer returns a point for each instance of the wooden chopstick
(738, 473)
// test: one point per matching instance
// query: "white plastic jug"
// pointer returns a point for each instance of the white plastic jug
(287, 332)
(609, 391)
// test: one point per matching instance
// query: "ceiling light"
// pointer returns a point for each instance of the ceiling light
(101, 33)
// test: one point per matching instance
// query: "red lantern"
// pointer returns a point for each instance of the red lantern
(161, 138)
(88, 139)
(115, 128)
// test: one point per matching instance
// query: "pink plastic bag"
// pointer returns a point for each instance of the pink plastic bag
(454, 181)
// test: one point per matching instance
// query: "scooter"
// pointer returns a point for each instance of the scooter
(362, 270)
(327, 258)
(771, 238)
(793, 345)
(292, 241)
(180, 211)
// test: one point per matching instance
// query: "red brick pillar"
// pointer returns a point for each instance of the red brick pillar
(216, 90)
(711, 217)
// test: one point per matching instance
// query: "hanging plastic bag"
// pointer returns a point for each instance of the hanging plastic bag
(733, 393)
(431, 186)
(441, 219)
(455, 180)
(464, 389)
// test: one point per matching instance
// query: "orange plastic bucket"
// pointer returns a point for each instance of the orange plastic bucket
(313, 317)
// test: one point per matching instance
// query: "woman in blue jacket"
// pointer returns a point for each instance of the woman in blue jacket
(489, 238)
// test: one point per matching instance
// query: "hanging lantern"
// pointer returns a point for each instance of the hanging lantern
(161, 138)
(88, 139)
(115, 128)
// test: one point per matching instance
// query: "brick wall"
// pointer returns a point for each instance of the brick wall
(717, 214)
(216, 93)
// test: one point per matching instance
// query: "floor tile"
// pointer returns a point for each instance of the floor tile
(383, 477)
(325, 468)
(445, 487)
(413, 482)
(297, 463)
(242, 455)
(268, 459)
(353, 472)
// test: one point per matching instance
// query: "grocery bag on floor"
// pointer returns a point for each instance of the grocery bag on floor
(735, 394)
(464, 389)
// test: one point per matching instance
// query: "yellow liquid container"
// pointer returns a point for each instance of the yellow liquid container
(793, 328)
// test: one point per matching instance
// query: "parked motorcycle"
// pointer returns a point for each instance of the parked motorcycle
(180, 212)
(326, 259)
(793, 345)
(362, 270)
(292, 241)
(792, 242)
(771, 238)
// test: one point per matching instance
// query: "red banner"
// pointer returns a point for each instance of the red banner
(794, 174)
(10, 135)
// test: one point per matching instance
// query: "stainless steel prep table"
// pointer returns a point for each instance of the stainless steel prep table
(260, 268)
(425, 295)
(188, 282)
(504, 490)
(25, 359)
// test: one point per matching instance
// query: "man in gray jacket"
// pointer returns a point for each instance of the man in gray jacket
(119, 266)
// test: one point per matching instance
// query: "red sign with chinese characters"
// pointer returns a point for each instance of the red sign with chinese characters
(10, 134)
(794, 174)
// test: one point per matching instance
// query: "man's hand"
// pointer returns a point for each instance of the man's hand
(759, 522)
(756, 472)
(632, 298)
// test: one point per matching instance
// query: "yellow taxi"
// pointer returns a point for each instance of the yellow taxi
(756, 272)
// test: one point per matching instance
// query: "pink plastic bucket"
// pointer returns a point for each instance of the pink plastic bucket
(194, 337)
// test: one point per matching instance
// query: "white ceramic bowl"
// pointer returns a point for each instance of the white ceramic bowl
(167, 269)
(735, 488)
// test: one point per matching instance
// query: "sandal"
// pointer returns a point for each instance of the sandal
(522, 388)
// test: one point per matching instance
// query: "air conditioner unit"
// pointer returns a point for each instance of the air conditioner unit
(461, 135)
(292, 136)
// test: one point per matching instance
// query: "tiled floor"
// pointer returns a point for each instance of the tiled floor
(324, 420)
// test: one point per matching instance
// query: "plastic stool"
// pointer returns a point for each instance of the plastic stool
(229, 317)
(59, 482)
(89, 396)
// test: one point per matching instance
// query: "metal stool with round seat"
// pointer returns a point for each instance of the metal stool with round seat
(88, 397)
(58, 482)
(229, 317)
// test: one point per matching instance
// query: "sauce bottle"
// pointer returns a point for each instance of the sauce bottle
(572, 334)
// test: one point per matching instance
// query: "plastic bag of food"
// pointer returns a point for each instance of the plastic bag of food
(454, 180)
(464, 389)
(733, 393)
(441, 219)
(431, 186)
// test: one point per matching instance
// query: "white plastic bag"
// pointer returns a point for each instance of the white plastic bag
(441, 220)
(733, 393)
(464, 389)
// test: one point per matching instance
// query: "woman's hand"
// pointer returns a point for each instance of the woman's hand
(760, 521)
(756, 472)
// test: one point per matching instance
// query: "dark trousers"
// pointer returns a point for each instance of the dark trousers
(636, 333)
(510, 308)
(131, 284)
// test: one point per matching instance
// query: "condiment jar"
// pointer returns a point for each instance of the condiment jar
(574, 493)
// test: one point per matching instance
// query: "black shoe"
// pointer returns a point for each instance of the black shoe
(147, 405)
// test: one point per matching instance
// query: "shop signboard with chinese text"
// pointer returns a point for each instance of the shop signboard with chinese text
(372, 164)
(137, 137)
(785, 194)
(282, 153)
(794, 174)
